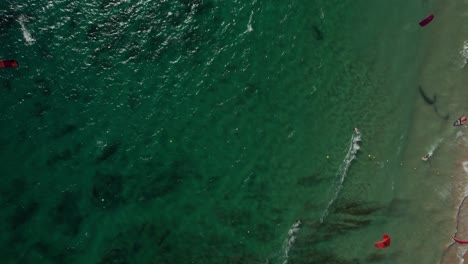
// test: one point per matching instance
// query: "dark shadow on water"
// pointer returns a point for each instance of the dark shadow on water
(356, 208)
(432, 101)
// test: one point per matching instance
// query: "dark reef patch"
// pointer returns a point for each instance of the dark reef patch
(318, 34)
(14, 190)
(67, 129)
(66, 215)
(375, 257)
(40, 109)
(128, 245)
(107, 190)
(311, 180)
(162, 180)
(7, 85)
(42, 86)
(108, 152)
(23, 214)
(59, 156)
(115, 256)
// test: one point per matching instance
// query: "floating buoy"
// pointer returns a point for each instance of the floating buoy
(427, 20)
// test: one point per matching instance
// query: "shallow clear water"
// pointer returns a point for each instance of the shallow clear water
(200, 131)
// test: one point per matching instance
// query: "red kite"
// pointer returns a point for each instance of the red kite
(385, 242)
(459, 241)
(8, 63)
(427, 20)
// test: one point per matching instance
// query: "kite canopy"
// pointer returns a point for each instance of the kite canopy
(459, 241)
(385, 242)
(460, 121)
(8, 63)
(427, 20)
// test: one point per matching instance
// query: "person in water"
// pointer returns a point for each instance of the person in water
(425, 157)
(356, 130)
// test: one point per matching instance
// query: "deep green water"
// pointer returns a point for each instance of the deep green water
(195, 131)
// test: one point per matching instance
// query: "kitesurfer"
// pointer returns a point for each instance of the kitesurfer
(425, 157)
(460, 121)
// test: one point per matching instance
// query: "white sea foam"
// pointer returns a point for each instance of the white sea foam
(465, 166)
(290, 240)
(464, 53)
(249, 24)
(343, 169)
(460, 253)
(27, 36)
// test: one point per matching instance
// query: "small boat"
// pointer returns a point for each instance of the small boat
(427, 20)
(385, 242)
(459, 241)
(8, 63)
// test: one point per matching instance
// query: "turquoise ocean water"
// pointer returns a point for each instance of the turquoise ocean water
(197, 131)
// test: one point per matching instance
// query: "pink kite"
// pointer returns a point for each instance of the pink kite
(459, 241)
(427, 20)
(385, 242)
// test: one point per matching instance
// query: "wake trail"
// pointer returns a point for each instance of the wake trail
(343, 169)
(27, 36)
(290, 240)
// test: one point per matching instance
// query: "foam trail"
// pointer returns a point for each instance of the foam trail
(343, 169)
(249, 24)
(27, 36)
(434, 147)
(290, 240)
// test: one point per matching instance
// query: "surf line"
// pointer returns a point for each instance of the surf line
(343, 169)
(290, 240)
